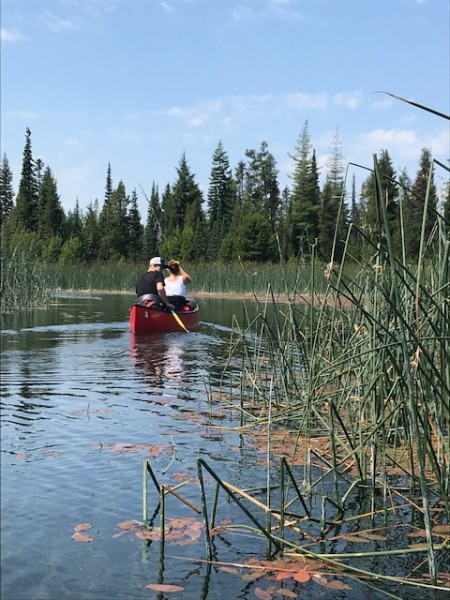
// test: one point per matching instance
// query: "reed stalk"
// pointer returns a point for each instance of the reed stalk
(365, 364)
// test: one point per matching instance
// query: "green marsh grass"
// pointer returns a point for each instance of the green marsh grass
(213, 278)
(360, 373)
(24, 282)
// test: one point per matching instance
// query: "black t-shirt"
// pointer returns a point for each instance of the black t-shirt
(146, 284)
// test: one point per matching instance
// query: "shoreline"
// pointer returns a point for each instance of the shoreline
(280, 298)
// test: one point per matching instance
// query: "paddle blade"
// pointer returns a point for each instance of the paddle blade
(179, 321)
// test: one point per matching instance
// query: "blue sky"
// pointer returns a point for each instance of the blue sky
(137, 83)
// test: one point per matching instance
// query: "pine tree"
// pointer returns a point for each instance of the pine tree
(328, 220)
(423, 185)
(183, 216)
(91, 233)
(371, 199)
(136, 230)
(25, 213)
(6, 191)
(261, 191)
(254, 239)
(258, 197)
(333, 209)
(185, 192)
(121, 203)
(51, 216)
(74, 222)
(113, 222)
(153, 230)
(284, 234)
(305, 196)
(40, 166)
(221, 195)
(229, 247)
(194, 233)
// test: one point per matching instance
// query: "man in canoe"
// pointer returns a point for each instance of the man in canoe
(150, 285)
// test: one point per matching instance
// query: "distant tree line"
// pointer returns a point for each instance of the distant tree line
(245, 213)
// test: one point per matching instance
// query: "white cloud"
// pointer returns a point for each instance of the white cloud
(348, 99)
(284, 9)
(381, 103)
(198, 120)
(300, 100)
(281, 9)
(197, 115)
(94, 9)
(243, 13)
(10, 36)
(404, 145)
(390, 138)
(57, 24)
(26, 115)
(166, 7)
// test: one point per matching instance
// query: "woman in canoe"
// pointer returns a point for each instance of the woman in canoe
(175, 284)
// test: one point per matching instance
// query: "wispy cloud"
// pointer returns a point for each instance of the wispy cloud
(243, 13)
(280, 9)
(57, 24)
(284, 9)
(26, 115)
(10, 36)
(232, 108)
(94, 8)
(381, 102)
(197, 115)
(390, 138)
(167, 7)
(348, 99)
(404, 144)
(302, 100)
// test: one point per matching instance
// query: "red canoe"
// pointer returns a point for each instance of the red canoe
(145, 319)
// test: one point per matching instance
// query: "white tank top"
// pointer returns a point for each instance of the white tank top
(175, 288)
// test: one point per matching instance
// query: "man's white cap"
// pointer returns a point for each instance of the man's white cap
(158, 261)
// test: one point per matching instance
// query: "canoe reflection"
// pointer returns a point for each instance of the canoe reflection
(160, 357)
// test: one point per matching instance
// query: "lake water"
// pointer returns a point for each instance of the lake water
(84, 403)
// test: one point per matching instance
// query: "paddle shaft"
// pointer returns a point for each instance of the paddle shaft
(179, 321)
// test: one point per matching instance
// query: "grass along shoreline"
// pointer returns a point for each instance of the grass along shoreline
(280, 298)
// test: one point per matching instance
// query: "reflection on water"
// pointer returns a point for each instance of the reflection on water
(84, 402)
(159, 358)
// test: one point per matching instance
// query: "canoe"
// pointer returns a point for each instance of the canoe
(146, 319)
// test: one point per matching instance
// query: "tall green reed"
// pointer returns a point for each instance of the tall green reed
(23, 279)
(364, 365)
(206, 277)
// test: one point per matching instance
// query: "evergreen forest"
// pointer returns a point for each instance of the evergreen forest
(245, 215)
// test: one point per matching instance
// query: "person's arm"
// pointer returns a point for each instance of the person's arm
(186, 277)
(163, 295)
